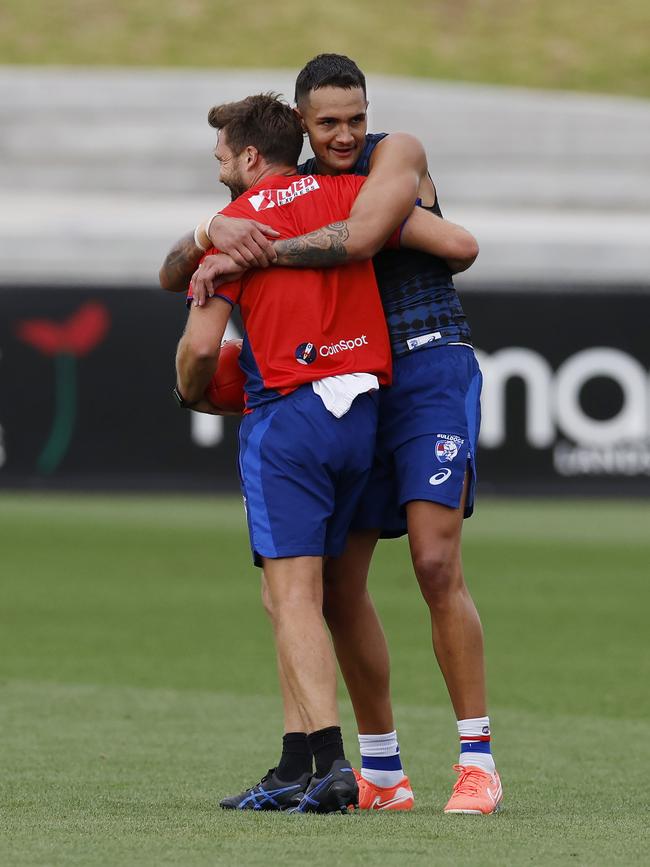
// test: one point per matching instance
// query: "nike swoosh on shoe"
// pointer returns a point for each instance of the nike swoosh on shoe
(401, 795)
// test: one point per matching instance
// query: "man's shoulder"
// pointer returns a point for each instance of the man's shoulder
(397, 151)
(395, 140)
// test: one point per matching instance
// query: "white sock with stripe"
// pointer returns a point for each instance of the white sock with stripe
(380, 759)
(475, 746)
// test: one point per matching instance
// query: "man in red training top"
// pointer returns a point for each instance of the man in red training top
(315, 351)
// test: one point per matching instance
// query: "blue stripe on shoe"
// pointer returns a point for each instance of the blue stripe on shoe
(258, 797)
(307, 799)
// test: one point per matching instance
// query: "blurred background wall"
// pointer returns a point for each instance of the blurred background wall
(536, 122)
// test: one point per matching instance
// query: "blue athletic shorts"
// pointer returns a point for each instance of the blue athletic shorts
(428, 430)
(303, 472)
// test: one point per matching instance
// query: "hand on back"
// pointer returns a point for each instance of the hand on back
(211, 273)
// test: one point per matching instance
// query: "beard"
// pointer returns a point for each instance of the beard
(236, 186)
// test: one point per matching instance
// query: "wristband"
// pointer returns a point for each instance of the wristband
(196, 237)
(207, 224)
(180, 400)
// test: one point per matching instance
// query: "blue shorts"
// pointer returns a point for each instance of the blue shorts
(426, 440)
(303, 472)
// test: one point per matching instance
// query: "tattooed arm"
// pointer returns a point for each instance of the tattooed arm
(318, 249)
(422, 231)
(247, 242)
(387, 197)
(180, 263)
(326, 247)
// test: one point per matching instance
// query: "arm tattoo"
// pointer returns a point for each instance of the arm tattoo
(318, 249)
(180, 263)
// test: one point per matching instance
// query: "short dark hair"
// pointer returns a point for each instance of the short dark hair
(264, 121)
(329, 70)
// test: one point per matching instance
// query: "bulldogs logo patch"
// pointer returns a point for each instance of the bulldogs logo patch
(447, 446)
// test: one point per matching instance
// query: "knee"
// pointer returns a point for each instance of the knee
(290, 603)
(439, 576)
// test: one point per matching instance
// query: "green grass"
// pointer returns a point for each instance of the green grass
(551, 44)
(137, 685)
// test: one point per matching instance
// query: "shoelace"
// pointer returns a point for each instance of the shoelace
(266, 776)
(469, 780)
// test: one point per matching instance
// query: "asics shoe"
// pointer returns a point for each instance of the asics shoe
(336, 792)
(372, 797)
(270, 793)
(475, 791)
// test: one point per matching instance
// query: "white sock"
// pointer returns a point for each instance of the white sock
(475, 746)
(380, 759)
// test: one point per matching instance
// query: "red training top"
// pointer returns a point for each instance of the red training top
(303, 324)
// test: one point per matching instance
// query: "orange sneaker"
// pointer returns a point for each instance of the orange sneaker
(475, 791)
(371, 797)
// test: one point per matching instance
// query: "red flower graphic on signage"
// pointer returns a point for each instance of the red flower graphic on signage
(81, 333)
(65, 341)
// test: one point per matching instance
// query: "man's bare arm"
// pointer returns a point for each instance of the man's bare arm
(180, 263)
(325, 247)
(198, 350)
(397, 167)
(422, 231)
(432, 234)
(244, 240)
(385, 200)
(318, 249)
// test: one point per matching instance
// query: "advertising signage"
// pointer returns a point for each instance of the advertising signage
(566, 396)
(86, 379)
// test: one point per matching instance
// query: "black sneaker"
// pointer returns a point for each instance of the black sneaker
(270, 793)
(333, 793)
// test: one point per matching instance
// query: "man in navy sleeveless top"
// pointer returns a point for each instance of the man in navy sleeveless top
(425, 464)
(425, 471)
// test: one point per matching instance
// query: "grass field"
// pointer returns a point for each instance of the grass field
(551, 44)
(137, 685)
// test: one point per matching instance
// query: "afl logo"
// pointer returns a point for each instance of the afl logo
(446, 451)
(306, 353)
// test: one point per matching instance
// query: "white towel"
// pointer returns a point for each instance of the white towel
(338, 392)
